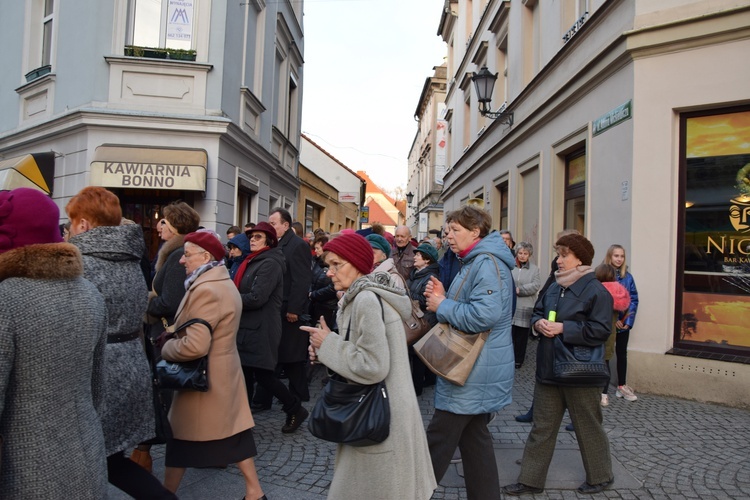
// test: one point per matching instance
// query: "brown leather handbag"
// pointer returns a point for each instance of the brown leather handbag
(416, 326)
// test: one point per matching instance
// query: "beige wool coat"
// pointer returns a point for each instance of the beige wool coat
(400, 466)
(223, 410)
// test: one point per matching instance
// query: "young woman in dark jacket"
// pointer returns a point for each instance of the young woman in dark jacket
(323, 298)
(582, 316)
(260, 280)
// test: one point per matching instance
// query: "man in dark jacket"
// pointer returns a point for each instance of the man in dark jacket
(295, 303)
(403, 251)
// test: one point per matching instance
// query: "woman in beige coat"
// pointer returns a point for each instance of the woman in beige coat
(210, 428)
(372, 310)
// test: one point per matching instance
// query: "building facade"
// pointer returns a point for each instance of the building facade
(330, 194)
(161, 100)
(427, 158)
(631, 123)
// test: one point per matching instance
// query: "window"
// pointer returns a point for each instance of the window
(39, 39)
(713, 264)
(49, 7)
(312, 217)
(166, 24)
(503, 206)
(575, 191)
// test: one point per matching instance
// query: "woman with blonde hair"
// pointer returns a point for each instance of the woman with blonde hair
(616, 258)
(211, 428)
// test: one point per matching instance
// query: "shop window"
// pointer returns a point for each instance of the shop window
(246, 209)
(713, 289)
(161, 29)
(575, 191)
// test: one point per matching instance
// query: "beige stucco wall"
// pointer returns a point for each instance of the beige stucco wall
(666, 85)
(334, 215)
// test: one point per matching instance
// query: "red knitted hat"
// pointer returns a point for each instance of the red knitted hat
(354, 249)
(27, 217)
(208, 242)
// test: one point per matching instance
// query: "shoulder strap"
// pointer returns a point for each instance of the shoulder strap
(382, 315)
(194, 321)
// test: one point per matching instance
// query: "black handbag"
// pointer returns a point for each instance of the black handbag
(577, 365)
(350, 413)
(185, 375)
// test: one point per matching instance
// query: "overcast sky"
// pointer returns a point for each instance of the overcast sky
(366, 62)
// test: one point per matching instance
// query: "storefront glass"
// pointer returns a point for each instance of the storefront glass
(714, 302)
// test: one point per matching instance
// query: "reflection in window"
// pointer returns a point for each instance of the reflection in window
(161, 23)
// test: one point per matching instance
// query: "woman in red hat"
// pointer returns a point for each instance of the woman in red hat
(212, 428)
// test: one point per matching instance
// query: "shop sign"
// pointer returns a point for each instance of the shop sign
(149, 168)
(614, 117)
(180, 24)
(351, 197)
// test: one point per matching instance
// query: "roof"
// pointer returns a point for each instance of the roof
(377, 214)
(374, 188)
(356, 174)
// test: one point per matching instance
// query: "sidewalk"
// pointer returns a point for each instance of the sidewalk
(662, 448)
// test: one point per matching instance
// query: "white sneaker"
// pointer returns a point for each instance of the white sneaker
(605, 401)
(626, 392)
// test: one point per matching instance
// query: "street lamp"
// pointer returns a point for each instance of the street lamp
(409, 197)
(484, 81)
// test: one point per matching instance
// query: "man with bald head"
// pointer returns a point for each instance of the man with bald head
(403, 251)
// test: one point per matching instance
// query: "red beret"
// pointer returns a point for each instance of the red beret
(208, 242)
(354, 249)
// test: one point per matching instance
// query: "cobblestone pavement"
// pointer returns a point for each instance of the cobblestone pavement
(672, 448)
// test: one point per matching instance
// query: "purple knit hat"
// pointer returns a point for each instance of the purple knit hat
(354, 249)
(27, 217)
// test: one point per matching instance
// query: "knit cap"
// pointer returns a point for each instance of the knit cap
(380, 243)
(579, 245)
(354, 249)
(428, 250)
(27, 217)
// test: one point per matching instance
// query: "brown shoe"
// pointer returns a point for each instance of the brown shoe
(142, 458)
(294, 420)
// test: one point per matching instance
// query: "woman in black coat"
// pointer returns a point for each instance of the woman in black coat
(260, 281)
(425, 266)
(323, 298)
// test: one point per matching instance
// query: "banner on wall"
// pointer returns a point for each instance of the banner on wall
(441, 151)
(180, 20)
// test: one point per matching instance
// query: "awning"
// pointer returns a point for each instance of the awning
(35, 170)
(149, 168)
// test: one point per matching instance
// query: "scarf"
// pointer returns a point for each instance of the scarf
(241, 270)
(465, 252)
(205, 267)
(567, 278)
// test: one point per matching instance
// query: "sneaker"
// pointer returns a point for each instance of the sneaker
(605, 401)
(626, 392)
(294, 420)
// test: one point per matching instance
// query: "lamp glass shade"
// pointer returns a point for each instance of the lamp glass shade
(484, 82)
(409, 197)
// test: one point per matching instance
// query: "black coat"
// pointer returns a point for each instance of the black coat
(417, 284)
(297, 279)
(584, 309)
(169, 282)
(261, 289)
(323, 299)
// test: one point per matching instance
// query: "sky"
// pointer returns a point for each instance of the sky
(366, 62)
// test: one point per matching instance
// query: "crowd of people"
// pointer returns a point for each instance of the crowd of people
(267, 304)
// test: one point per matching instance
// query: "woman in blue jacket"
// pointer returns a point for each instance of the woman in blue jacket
(616, 258)
(479, 299)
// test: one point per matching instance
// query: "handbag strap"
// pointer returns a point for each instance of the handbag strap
(499, 277)
(193, 322)
(382, 315)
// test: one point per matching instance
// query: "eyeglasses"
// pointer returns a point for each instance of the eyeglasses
(188, 255)
(334, 268)
(256, 237)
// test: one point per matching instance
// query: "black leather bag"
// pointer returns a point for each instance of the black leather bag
(185, 375)
(352, 414)
(576, 365)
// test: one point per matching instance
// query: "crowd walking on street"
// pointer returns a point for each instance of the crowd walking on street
(117, 356)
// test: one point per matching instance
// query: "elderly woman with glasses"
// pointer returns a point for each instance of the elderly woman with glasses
(260, 280)
(528, 282)
(370, 348)
(212, 428)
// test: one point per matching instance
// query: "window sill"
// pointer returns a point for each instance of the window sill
(703, 354)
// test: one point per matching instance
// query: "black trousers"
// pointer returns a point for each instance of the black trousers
(621, 350)
(470, 433)
(134, 480)
(520, 341)
(268, 380)
(296, 373)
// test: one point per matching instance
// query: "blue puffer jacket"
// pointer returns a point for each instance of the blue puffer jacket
(482, 303)
(629, 283)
